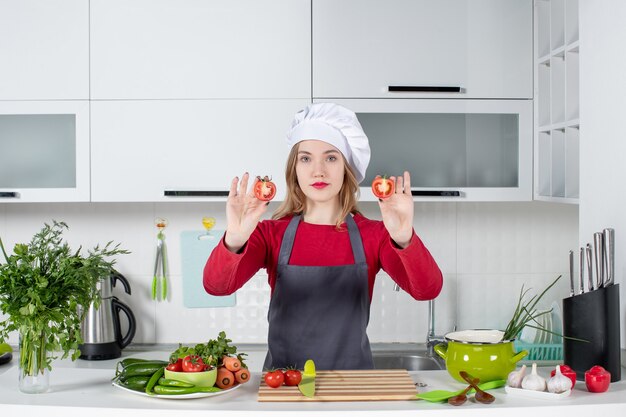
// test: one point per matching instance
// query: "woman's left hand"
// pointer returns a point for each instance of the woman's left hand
(397, 211)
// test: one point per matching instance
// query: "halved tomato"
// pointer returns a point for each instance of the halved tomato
(264, 188)
(383, 187)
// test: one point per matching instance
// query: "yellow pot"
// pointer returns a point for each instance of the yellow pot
(481, 353)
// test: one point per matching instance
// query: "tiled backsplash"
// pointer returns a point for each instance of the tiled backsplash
(486, 251)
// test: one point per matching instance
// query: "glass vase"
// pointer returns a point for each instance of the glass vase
(34, 375)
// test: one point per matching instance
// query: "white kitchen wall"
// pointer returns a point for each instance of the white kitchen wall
(602, 145)
(486, 251)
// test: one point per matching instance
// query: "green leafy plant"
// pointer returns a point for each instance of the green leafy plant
(211, 352)
(45, 291)
(526, 314)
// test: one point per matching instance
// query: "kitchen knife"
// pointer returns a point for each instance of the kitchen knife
(589, 253)
(571, 273)
(581, 272)
(598, 246)
(307, 384)
(609, 252)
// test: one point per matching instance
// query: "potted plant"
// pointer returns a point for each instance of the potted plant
(45, 290)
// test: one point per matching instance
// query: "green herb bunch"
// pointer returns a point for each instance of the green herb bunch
(46, 289)
(526, 314)
(211, 352)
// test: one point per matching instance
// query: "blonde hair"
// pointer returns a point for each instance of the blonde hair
(295, 200)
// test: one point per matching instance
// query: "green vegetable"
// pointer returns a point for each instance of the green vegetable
(153, 380)
(136, 383)
(140, 369)
(526, 313)
(210, 352)
(42, 287)
(165, 390)
(123, 364)
(174, 383)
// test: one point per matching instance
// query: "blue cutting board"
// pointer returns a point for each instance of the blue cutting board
(194, 254)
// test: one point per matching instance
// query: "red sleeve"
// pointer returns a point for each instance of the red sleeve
(412, 268)
(225, 272)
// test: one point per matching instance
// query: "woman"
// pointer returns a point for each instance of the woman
(320, 253)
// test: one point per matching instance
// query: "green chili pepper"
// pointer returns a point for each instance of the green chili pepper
(165, 390)
(153, 381)
(174, 383)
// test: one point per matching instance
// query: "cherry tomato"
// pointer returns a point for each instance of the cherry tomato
(193, 363)
(175, 366)
(383, 187)
(597, 379)
(275, 378)
(292, 377)
(264, 188)
(568, 372)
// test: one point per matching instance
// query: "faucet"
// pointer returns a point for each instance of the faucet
(431, 338)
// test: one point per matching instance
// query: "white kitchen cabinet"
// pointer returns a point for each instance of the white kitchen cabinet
(557, 136)
(145, 150)
(455, 150)
(44, 151)
(361, 48)
(199, 49)
(44, 49)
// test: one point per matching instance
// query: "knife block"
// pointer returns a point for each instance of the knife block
(594, 317)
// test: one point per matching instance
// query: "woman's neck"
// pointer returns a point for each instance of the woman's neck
(322, 213)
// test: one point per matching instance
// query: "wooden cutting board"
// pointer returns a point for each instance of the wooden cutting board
(361, 385)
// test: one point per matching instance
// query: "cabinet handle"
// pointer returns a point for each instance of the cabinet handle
(423, 89)
(183, 193)
(435, 193)
(9, 194)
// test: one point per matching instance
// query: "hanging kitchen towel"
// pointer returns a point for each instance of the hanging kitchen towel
(196, 246)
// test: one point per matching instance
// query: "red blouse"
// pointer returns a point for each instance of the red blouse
(412, 268)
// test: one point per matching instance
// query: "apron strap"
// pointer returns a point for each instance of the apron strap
(290, 234)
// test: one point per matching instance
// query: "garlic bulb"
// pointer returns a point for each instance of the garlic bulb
(514, 380)
(534, 381)
(559, 383)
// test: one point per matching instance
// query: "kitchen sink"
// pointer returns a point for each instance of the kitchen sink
(409, 361)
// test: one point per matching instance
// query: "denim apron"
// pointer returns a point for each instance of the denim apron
(320, 312)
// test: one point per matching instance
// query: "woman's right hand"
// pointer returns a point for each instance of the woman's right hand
(243, 212)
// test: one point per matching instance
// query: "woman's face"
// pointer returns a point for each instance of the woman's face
(320, 170)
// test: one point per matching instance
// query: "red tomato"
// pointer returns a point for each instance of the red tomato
(275, 378)
(193, 363)
(264, 188)
(383, 187)
(597, 379)
(175, 366)
(568, 372)
(292, 377)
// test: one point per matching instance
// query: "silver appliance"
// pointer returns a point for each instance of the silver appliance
(101, 329)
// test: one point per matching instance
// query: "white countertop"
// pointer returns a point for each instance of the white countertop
(83, 388)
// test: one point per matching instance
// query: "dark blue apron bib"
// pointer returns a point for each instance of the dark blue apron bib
(320, 312)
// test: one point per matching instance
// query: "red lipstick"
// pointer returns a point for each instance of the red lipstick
(319, 185)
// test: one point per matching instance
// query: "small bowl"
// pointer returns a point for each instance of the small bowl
(199, 379)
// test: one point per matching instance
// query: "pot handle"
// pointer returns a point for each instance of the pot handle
(442, 350)
(132, 325)
(519, 356)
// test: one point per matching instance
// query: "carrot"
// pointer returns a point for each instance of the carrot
(231, 363)
(242, 376)
(225, 378)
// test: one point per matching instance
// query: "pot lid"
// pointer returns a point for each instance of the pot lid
(482, 336)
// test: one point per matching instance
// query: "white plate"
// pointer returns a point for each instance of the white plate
(542, 395)
(528, 334)
(178, 397)
(557, 322)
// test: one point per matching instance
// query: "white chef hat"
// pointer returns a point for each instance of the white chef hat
(336, 125)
